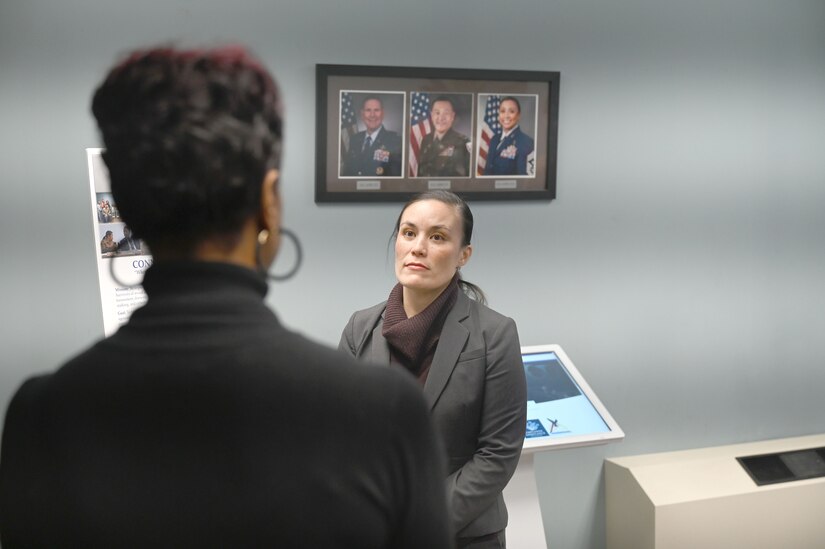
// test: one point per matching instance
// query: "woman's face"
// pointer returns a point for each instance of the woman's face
(508, 114)
(428, 248)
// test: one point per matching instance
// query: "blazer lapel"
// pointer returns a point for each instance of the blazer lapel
(380, 349)
(453, 337)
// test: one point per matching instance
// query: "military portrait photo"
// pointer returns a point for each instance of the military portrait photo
(507, 126)
(371, 128)
(440, 124)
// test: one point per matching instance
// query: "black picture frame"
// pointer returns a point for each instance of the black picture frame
(404, 158)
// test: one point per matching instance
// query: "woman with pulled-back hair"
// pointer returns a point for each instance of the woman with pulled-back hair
(466, 357)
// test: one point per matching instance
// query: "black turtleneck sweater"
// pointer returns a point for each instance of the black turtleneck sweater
(204, 423)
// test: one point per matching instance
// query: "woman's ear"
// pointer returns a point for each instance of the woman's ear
(270, 211)
(464, 255)
(269, 221)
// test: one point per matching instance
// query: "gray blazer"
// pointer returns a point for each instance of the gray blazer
(478, 399)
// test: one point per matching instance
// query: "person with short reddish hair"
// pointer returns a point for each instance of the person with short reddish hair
(203, 422)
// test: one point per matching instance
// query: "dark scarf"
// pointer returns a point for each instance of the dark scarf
(413, 340)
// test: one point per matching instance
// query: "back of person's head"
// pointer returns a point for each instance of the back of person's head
(189, 136)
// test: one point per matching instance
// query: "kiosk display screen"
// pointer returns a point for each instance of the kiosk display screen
(562, 409)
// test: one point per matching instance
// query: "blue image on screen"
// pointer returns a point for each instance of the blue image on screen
(555, 401)
(535, 429)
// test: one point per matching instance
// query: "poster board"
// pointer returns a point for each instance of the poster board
(121, 259)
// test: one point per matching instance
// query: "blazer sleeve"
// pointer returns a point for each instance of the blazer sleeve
(355, 337)
(478, 484)
(347, 343)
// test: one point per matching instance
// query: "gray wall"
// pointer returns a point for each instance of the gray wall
(681, 266)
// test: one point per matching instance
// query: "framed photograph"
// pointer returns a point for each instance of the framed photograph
(387, 133)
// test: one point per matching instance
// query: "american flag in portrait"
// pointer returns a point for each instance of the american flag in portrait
(489, 127)
(420, 126)
(349, 125)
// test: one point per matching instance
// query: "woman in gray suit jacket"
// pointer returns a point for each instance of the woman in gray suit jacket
(466, 356)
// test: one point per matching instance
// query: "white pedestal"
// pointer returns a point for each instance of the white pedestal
(525, 529)
(704, 499)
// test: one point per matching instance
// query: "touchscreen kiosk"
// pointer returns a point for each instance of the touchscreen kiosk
(562, 409)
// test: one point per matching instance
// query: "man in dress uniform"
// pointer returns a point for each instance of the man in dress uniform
(444, 151)
(376, 151)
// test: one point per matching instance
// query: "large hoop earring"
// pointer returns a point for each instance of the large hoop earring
(116, 278)
(299, 256)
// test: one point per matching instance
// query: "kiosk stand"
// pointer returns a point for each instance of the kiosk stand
(525, 529)
(562, 412)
